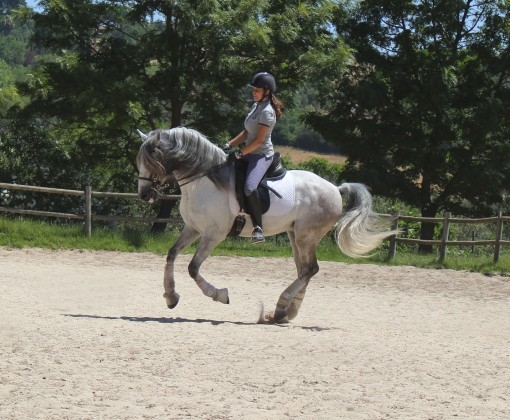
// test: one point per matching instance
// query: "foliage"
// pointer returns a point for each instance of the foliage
(30, 156)
(422, 111)
(14, 55)
(291, 130)
(106, 68)
(320, 166)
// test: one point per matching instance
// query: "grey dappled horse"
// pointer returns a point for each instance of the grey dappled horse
(206, 181)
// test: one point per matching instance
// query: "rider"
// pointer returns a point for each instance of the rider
(258, 151)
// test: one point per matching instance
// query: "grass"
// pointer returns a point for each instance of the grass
(27, 233)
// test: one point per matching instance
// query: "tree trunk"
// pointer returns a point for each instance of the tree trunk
(427, 229)
(165, 209)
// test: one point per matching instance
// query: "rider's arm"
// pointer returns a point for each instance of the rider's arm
(240, 138)
(258, 140)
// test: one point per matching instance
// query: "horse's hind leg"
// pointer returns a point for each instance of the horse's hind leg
(290, 300)
(296, 302)
(186, 238)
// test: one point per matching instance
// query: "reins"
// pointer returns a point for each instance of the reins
(202, 174)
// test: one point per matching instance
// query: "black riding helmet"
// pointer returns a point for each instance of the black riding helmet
(264, 80)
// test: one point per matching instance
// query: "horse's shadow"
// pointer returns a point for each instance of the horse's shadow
(162, 320)
(179, 320)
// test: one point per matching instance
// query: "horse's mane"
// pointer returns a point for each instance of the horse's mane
(184, 152)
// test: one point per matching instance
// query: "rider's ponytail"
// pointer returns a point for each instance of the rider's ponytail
(276, 104)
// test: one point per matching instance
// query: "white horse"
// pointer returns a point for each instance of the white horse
(306, 208)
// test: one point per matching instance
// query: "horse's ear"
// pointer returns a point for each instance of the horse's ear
(159, 135)
(143, 136)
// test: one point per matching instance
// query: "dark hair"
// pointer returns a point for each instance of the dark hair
(276, 104)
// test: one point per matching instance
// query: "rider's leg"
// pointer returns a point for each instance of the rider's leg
(256, 217)
(257, 167)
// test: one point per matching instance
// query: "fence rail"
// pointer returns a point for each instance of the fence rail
(88, 217)
(444, 242)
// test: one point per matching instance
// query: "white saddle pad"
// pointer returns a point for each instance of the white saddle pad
(278, 206)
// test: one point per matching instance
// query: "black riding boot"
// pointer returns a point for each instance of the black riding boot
(256, 217)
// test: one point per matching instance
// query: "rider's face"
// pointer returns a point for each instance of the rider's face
(257, 93)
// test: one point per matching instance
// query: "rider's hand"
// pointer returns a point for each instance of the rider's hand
(233, 156)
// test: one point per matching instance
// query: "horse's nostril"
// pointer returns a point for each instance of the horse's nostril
(144, 194)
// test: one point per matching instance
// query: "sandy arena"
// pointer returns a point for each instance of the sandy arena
(87, 335)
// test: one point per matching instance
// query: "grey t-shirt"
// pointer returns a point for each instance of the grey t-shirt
(261, 113)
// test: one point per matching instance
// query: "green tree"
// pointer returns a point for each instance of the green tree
(30, 156)
(320, 166)
(118, 66)
(14, 33)
(422, 110)
(8, 93)
(6, 7)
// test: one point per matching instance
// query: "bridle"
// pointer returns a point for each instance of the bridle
(160, 189)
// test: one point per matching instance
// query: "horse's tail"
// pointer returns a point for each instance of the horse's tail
(359, 231)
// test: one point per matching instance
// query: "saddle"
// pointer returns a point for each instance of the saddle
(275, 172)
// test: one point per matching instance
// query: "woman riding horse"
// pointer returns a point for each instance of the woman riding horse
(258, 152)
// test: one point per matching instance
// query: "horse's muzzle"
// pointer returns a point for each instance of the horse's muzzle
(147, 194)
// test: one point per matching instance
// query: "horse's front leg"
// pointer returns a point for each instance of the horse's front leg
(204, 249)
(186, 238)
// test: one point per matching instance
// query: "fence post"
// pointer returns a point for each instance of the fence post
(393, 239)
(499, 234)
(444, 238)
(88, 210)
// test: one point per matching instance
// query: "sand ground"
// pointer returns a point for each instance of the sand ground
(87, 335)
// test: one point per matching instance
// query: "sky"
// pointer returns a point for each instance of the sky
(32, 3)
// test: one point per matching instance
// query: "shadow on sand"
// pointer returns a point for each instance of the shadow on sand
(179, 320)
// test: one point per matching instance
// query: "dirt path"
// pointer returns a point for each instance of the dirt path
(86, 335)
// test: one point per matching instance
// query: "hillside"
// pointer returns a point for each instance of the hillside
(299, 156)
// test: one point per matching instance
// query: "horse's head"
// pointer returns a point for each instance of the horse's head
(151, 169)
(179, 153)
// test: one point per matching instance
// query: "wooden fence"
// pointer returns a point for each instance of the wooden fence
(88, 217)
(444, 242)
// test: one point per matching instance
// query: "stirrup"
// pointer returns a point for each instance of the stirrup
(257, 235)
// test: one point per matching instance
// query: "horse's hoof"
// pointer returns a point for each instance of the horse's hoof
(222, 296)
(277, 317)
(171, 301)
(280, 316)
